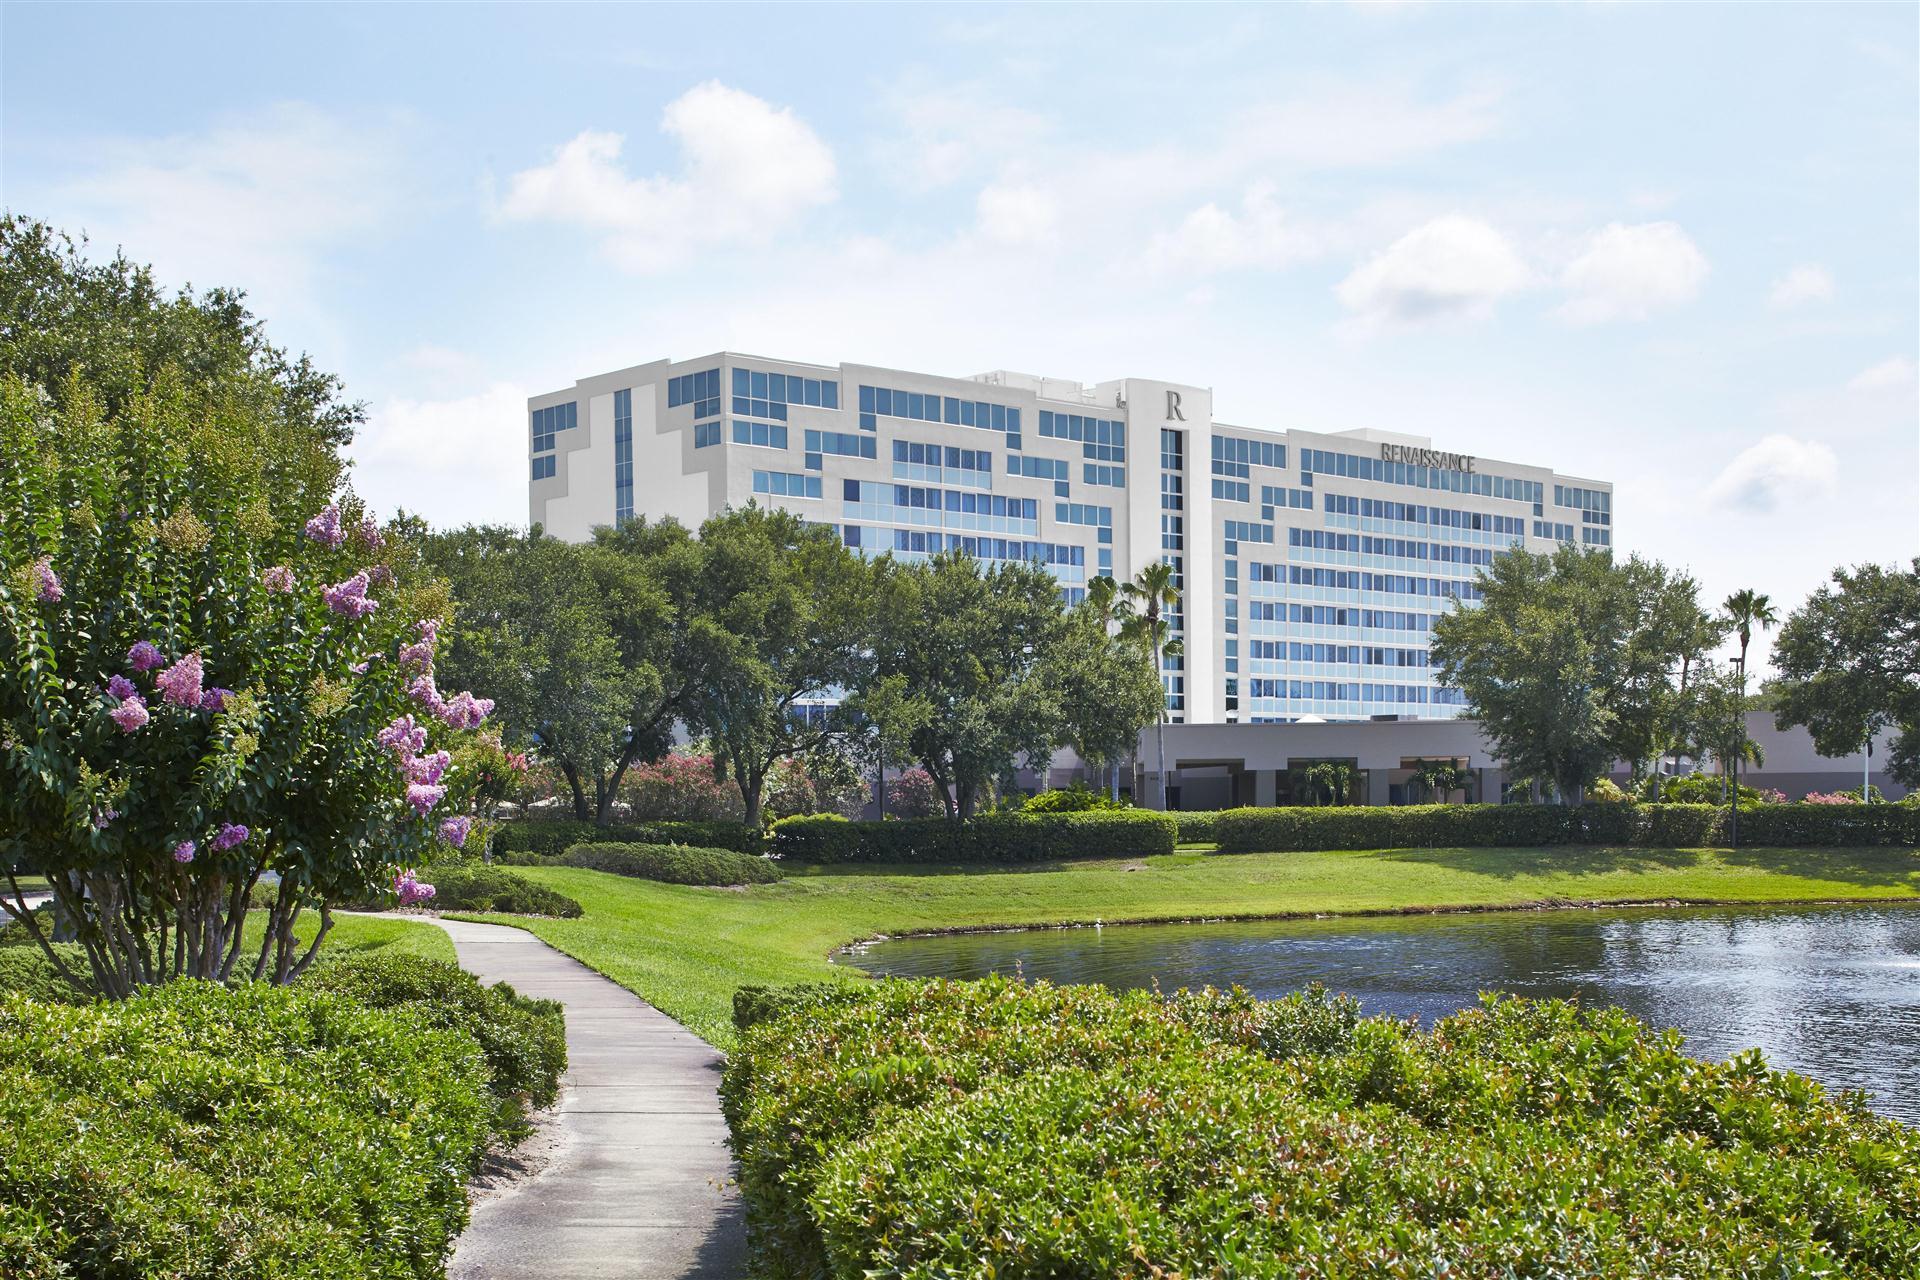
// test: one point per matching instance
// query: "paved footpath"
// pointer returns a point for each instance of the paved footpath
(639, 1184)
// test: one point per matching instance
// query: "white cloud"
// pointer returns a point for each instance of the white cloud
(1454, 267)
(1774, 472)
(1889, 375)
(1017, 214)
(453, 461)
(1808, 282)
(252, 204)
(1628, 272)
(949, 133)
(748, 171)
(1259, 235)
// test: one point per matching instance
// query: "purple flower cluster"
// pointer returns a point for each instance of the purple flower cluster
(215, 699)
(278, 578)
(184, 851)
(104, 819)
(180, 683)
(122, 688)
(427, 769)
(368, 534)
(325, 528)
(144, 657)
(131, 713)
(229, 835)
(403, 737)
(424, 795)
(47, 581)
(461, 711)
(349, 598)
(411, 890)
(454, 831)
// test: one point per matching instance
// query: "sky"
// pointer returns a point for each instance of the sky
(1677, 248)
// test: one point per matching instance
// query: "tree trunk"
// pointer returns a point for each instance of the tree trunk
(572, 775)
(753, 785)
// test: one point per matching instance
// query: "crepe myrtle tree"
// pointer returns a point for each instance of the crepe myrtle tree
(198, 688)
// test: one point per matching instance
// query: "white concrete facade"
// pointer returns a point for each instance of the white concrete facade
(1311, 564)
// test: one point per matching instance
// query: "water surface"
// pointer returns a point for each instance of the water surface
(1832, 992)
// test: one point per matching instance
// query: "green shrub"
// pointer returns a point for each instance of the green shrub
(996, 837)
(547, 838)
(484, 888)
(1020, 1132)
(198, 1133)
(26, 970)
(523, 1039)
(1198, 828)
(672, 863)
(1077, 798)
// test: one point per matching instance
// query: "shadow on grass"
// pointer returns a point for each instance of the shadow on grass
(1865, 866)
(825, 870)
(1584, 860)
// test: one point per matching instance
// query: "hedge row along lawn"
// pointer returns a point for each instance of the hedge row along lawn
(687, 949)
(998, 1131)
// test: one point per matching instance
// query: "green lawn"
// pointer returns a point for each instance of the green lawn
(392, 935)
(686, 949)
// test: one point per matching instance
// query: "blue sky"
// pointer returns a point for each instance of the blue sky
(1677, 248)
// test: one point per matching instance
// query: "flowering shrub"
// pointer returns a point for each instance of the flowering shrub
(913, 795)
(1830, 797)
(682, 788)
(197, 688)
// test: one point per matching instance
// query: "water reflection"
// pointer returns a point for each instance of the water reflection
(1833, 992)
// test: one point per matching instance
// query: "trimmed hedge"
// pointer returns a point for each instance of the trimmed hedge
(996, 837)
(1300, 829)
(1198, 827)
(548, 838)
(1021, 1132)
(196, 1133)
(475, 887)
(523, 1039)
(24, 968)
(673, 863)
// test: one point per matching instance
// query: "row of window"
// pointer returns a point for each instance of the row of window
(1341, 691)
(551, 420)
(1231, 490)
(706, 434)
(766, 435)
(786, 484)
(1357, 654)
(933, 455)
(1597, 537)
(931, 542)
(1237, 531)
(543, 468)
(1101, 439)
(1234, 456)
(1368, 544)
(1078, 513)
(1358, 467)
(701, 390)
(928, 407)
(901, 495)
(1290, 499)
(784, 388)
(1584, 499)
(1058, 470)
(843, 443)
(1337, 615)
(1557, 532)
(622, 456)
(1418, 513)
(1103, 475)
(1398, 584)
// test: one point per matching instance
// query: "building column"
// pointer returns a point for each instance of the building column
(1266, 787)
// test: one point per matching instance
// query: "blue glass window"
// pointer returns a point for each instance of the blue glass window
(786, 484)
(622, 456)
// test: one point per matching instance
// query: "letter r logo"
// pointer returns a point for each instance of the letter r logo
(1173, 407)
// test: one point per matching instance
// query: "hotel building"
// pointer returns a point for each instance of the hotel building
(1311, 565)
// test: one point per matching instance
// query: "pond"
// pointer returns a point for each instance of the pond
(1832, 992)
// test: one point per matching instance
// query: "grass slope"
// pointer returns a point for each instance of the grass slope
(686, 949)
(362, 935)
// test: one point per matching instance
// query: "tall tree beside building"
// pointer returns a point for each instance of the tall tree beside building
(1847, 664)
(1146, 601)
(1571, 661)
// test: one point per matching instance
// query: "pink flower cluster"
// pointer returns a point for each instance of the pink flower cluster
(424, 795)
(325, 528)
(411, 890)
(367, 534)
(427, 769)
(462, 711)
(278, 578)
(229, 835)
(1830, 797)
(184, 851)
(131, 713)
(403, 737)
(180, 683)
(48, 581)
(454, 831)
(144, 657)
(349, 598)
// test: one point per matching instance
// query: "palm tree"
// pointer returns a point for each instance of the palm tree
(1745, 609)
(1146, 601)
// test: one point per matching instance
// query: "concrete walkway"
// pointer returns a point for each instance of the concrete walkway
(639, 1181)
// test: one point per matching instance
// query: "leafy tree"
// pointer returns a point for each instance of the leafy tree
(785, 607)
(970, 643)
(1847, 664)
(1330, 781)
(1145, 602)
(1439, 778)
(882, 717)
(682, 786)
(200, 685)
(1106, 686)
